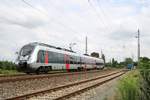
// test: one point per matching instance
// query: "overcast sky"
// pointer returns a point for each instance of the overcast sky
(110, 25)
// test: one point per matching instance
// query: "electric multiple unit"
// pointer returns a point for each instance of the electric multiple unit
(40, 57)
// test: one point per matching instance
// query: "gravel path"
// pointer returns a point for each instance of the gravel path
(104, 92)
(12, 89)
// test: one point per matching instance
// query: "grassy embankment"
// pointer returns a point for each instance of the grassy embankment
(134, 86)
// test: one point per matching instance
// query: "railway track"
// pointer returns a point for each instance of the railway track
(23, 77)
(70, 90)
(13, 75)
(24, 74)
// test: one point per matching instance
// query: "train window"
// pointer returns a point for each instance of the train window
(26, 50)
(60, 58)
(52, 57)
(55, 57)
(92, 61)
(99, 63)
(77, 60)
(83, 60)
(72, 59)
(41, 56)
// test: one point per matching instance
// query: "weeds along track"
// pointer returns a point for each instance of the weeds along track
(24, 77)
(72, 89)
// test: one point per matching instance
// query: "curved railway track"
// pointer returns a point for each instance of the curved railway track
(23, 77)
(70, 90)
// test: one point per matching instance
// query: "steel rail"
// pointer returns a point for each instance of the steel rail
(31, 77)
(13, 75)
(64, 97)
(26, 96)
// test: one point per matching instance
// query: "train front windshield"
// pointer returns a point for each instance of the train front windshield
(26, 50)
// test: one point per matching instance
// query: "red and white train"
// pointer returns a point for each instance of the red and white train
(40, 57)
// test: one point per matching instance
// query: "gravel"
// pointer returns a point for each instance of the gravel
(64, 91)
(17, 88)
(106, 91)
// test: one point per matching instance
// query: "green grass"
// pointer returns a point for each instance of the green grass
(128, 87)
(9, 72)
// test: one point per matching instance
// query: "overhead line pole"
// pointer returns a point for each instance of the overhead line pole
(138, 37)
(86, 45)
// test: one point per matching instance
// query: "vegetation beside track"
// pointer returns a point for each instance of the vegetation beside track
(128, 87)
(7, 67)
(136, 84)
(8, 72)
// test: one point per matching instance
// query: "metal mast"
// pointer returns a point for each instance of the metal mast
(138, 52)
(86, 45)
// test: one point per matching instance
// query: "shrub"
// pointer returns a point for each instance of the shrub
(6, 65)
(145, 84)
(129, 87)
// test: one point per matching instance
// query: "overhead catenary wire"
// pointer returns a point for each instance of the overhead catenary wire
(52, 19)
(81, 17)
(98, 15)
(105, 15)
(78, 15)
(17, 11)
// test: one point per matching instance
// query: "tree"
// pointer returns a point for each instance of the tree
(114, 63)
(128, 61)
(144, 62)
(108, 64)
(95, 54)
(144, 59)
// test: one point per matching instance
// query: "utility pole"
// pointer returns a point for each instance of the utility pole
(138, 52)
(86, 45)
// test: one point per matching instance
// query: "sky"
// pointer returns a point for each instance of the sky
(110, 26)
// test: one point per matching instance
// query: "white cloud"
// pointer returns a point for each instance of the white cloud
(111, 29)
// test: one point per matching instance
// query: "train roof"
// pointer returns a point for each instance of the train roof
(59, 48)
(47, 45)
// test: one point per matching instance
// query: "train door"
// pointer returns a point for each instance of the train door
(46, 57)
(67, 62)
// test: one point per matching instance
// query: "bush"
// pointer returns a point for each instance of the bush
(145, 84)
(145, 80)
(129, 87)
(6, 65)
